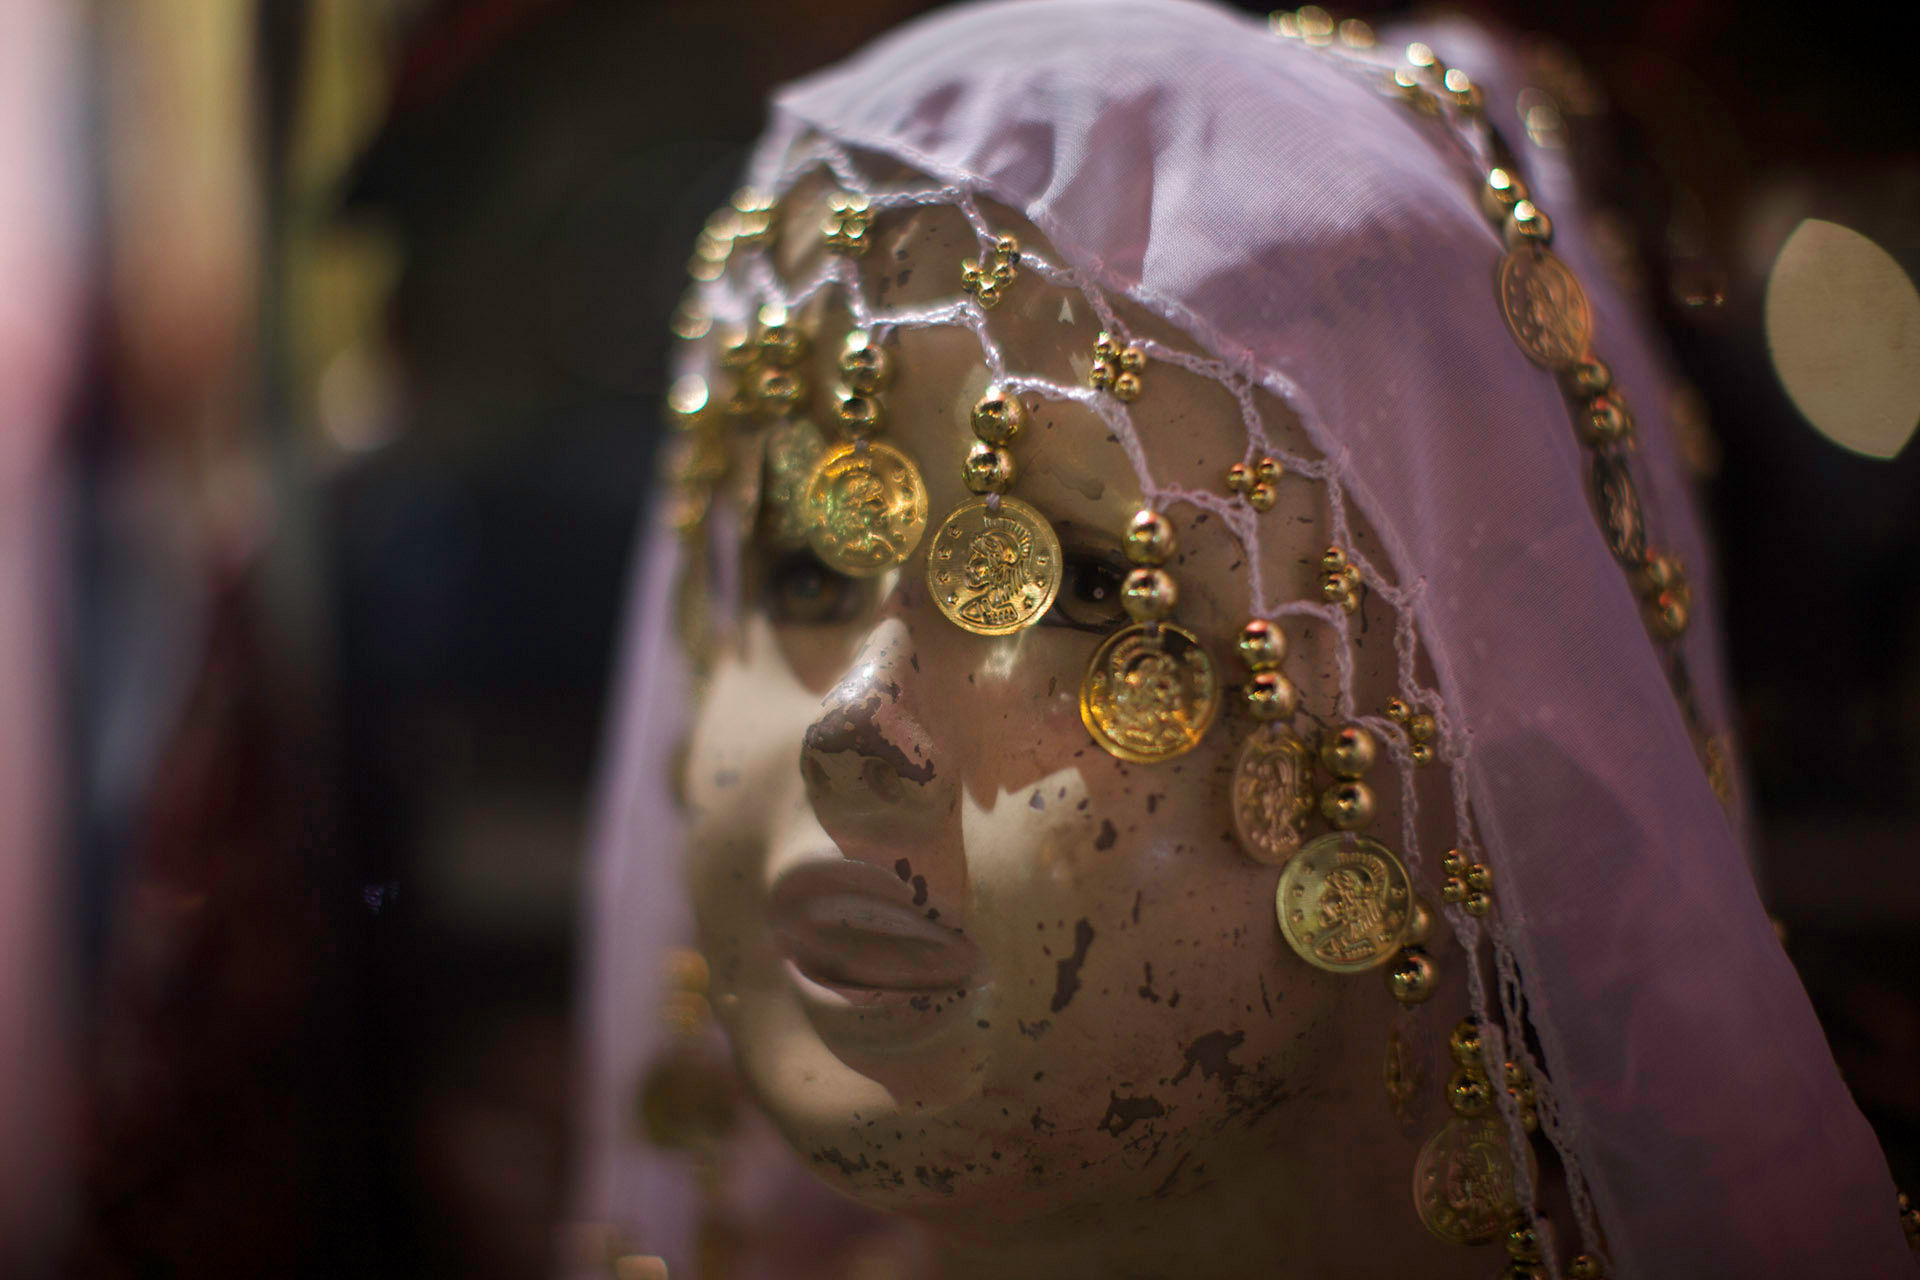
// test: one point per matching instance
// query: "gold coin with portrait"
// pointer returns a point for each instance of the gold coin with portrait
(1344, 902)
(1463, 1181)
(793, 445)
(866, 508)
(994, 572)
(1545, 306)
(1271, 794)
(1150, 693)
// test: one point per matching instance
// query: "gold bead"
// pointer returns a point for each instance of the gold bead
(1001, 273)
(1271, 696)
(1268, 471)
(781, 342)
(1239, 478)
(1347, 805)
(688, 398)
(1502, 191)
(1007, 249)
(1356, 34)
(1349, 751)
(1419, 923)
(987, 469)
(1657, 573)
(863, 364)
(1523, 1243)
(845, 226)
(686, 1013)
(1334, 588)
(1667, 615)
(1453, 864)
(1516, 1077)
(1262, 496)
(1527, 224)
(1464, 92)
(687, 970)
(1453, 889)
(1530, 1119)
(1478, 878)
(1421, 728)
(1333, 560)
(1588, 378)
(1149, 595)
(1420, 55)
(736, 348)
(1105, 349)
(1476, 904)
(1422, 753)
(1468, 1094)
(780, 391)
(1100, 377)
(1411, 976)
(1132, 360)
(1606, 421)
(1262, 645)
(1464, 1043)
(1126, 387)
(860, 414)
(1149, 538)
(1585, 1266)
(1398, 711)
(999, 417)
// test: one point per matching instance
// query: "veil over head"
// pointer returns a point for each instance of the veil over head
(1274, 202)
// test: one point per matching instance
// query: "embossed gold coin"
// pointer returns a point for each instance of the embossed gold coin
(793, 446)
(1619, 503)
(1545, 306)
(994, 572)
(1271, 794)
(866, 508)
(1463, 1181)
(1344, 903)
(1149, 696)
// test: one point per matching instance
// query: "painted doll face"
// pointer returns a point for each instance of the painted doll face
(971, 964)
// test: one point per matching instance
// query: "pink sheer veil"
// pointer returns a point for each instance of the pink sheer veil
(1275, 202)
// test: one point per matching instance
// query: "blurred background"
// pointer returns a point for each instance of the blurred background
(331, 345)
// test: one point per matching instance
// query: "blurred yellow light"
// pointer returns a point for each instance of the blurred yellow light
(1843, 326)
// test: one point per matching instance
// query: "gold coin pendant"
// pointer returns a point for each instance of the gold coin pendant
(994, 572)
(793, 446)
(1271, 795)
(1545, 306)
(866, 508)
(1344, 903)
(1463, 1181)
(1149, 694)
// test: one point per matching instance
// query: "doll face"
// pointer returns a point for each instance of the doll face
(972, 965)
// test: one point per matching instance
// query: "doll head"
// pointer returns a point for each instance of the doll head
(1045, 898)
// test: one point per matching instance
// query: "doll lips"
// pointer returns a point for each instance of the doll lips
(851, 926)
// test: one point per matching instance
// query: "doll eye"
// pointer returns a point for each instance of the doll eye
(1089, 598)
(801, 591)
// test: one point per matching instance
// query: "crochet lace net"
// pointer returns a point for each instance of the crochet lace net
(1304, 239)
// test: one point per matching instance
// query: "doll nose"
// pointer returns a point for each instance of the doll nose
(867, 751)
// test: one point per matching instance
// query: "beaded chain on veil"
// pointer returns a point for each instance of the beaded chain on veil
(1606, 493)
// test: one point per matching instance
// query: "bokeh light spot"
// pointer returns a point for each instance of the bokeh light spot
(1843, 326)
